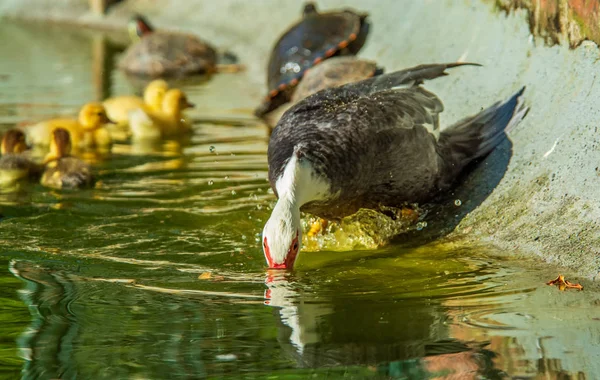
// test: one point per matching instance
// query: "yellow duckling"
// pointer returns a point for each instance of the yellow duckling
(167, 122)
(61, 170)
(118, 108)
(87, 131)
(15, 166)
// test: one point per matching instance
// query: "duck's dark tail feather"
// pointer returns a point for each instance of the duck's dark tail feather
(478, 135)
(406, 78)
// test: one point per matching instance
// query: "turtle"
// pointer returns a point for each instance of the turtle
(167, 54)
(316, 37)
(333, 72)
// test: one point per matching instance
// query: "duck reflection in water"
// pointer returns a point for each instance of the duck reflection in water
(333, 331)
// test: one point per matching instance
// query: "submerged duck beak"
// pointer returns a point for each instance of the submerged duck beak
(290, 257)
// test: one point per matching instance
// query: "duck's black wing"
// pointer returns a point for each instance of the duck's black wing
(376, 141)
(345, 131)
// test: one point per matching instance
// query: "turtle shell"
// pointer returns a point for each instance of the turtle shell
(334, 72)
(169, 55)
(313, 39)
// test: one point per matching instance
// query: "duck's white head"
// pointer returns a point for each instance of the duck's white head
(282, 235)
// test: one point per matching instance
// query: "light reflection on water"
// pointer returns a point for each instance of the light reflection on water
(104, 283)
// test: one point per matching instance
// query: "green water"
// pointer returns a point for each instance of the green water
(104, 283)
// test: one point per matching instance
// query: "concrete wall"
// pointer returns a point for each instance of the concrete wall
(539, 195)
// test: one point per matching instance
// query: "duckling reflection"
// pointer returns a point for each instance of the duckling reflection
(87, 131)
(62, 170)
(14, 165)
(167, 122)
(118, 107)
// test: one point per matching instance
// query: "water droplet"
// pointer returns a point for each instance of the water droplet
(243, 237)
(421, 225)
(226, 178)
(255, 197)
(210, 182)
(457, 202)
(212, 148)
(233, 192)
(259, 207)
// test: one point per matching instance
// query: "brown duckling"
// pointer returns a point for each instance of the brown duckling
(14, 165)
(61, 169)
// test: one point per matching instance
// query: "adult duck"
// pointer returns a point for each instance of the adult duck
(369, 144)
(168, 54)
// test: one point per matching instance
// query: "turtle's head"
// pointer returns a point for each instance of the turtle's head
(60, 145)
(310, 8)
(138, 27)
(175, 101)
(13, 141)
(155, 93)
(93, 116)
(282, 235)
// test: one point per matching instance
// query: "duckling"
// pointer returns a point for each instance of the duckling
(87, 131)
(117, 108)
(14, 165)
(61, 169)
(167, 122)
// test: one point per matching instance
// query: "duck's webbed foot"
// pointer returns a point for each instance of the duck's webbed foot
(230, 68)
(317, 227)
(405, 213)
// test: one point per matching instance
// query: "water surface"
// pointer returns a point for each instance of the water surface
(157, 272)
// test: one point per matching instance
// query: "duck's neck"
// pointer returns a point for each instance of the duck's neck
(52, 156)
(288, 209)
(299, 184)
